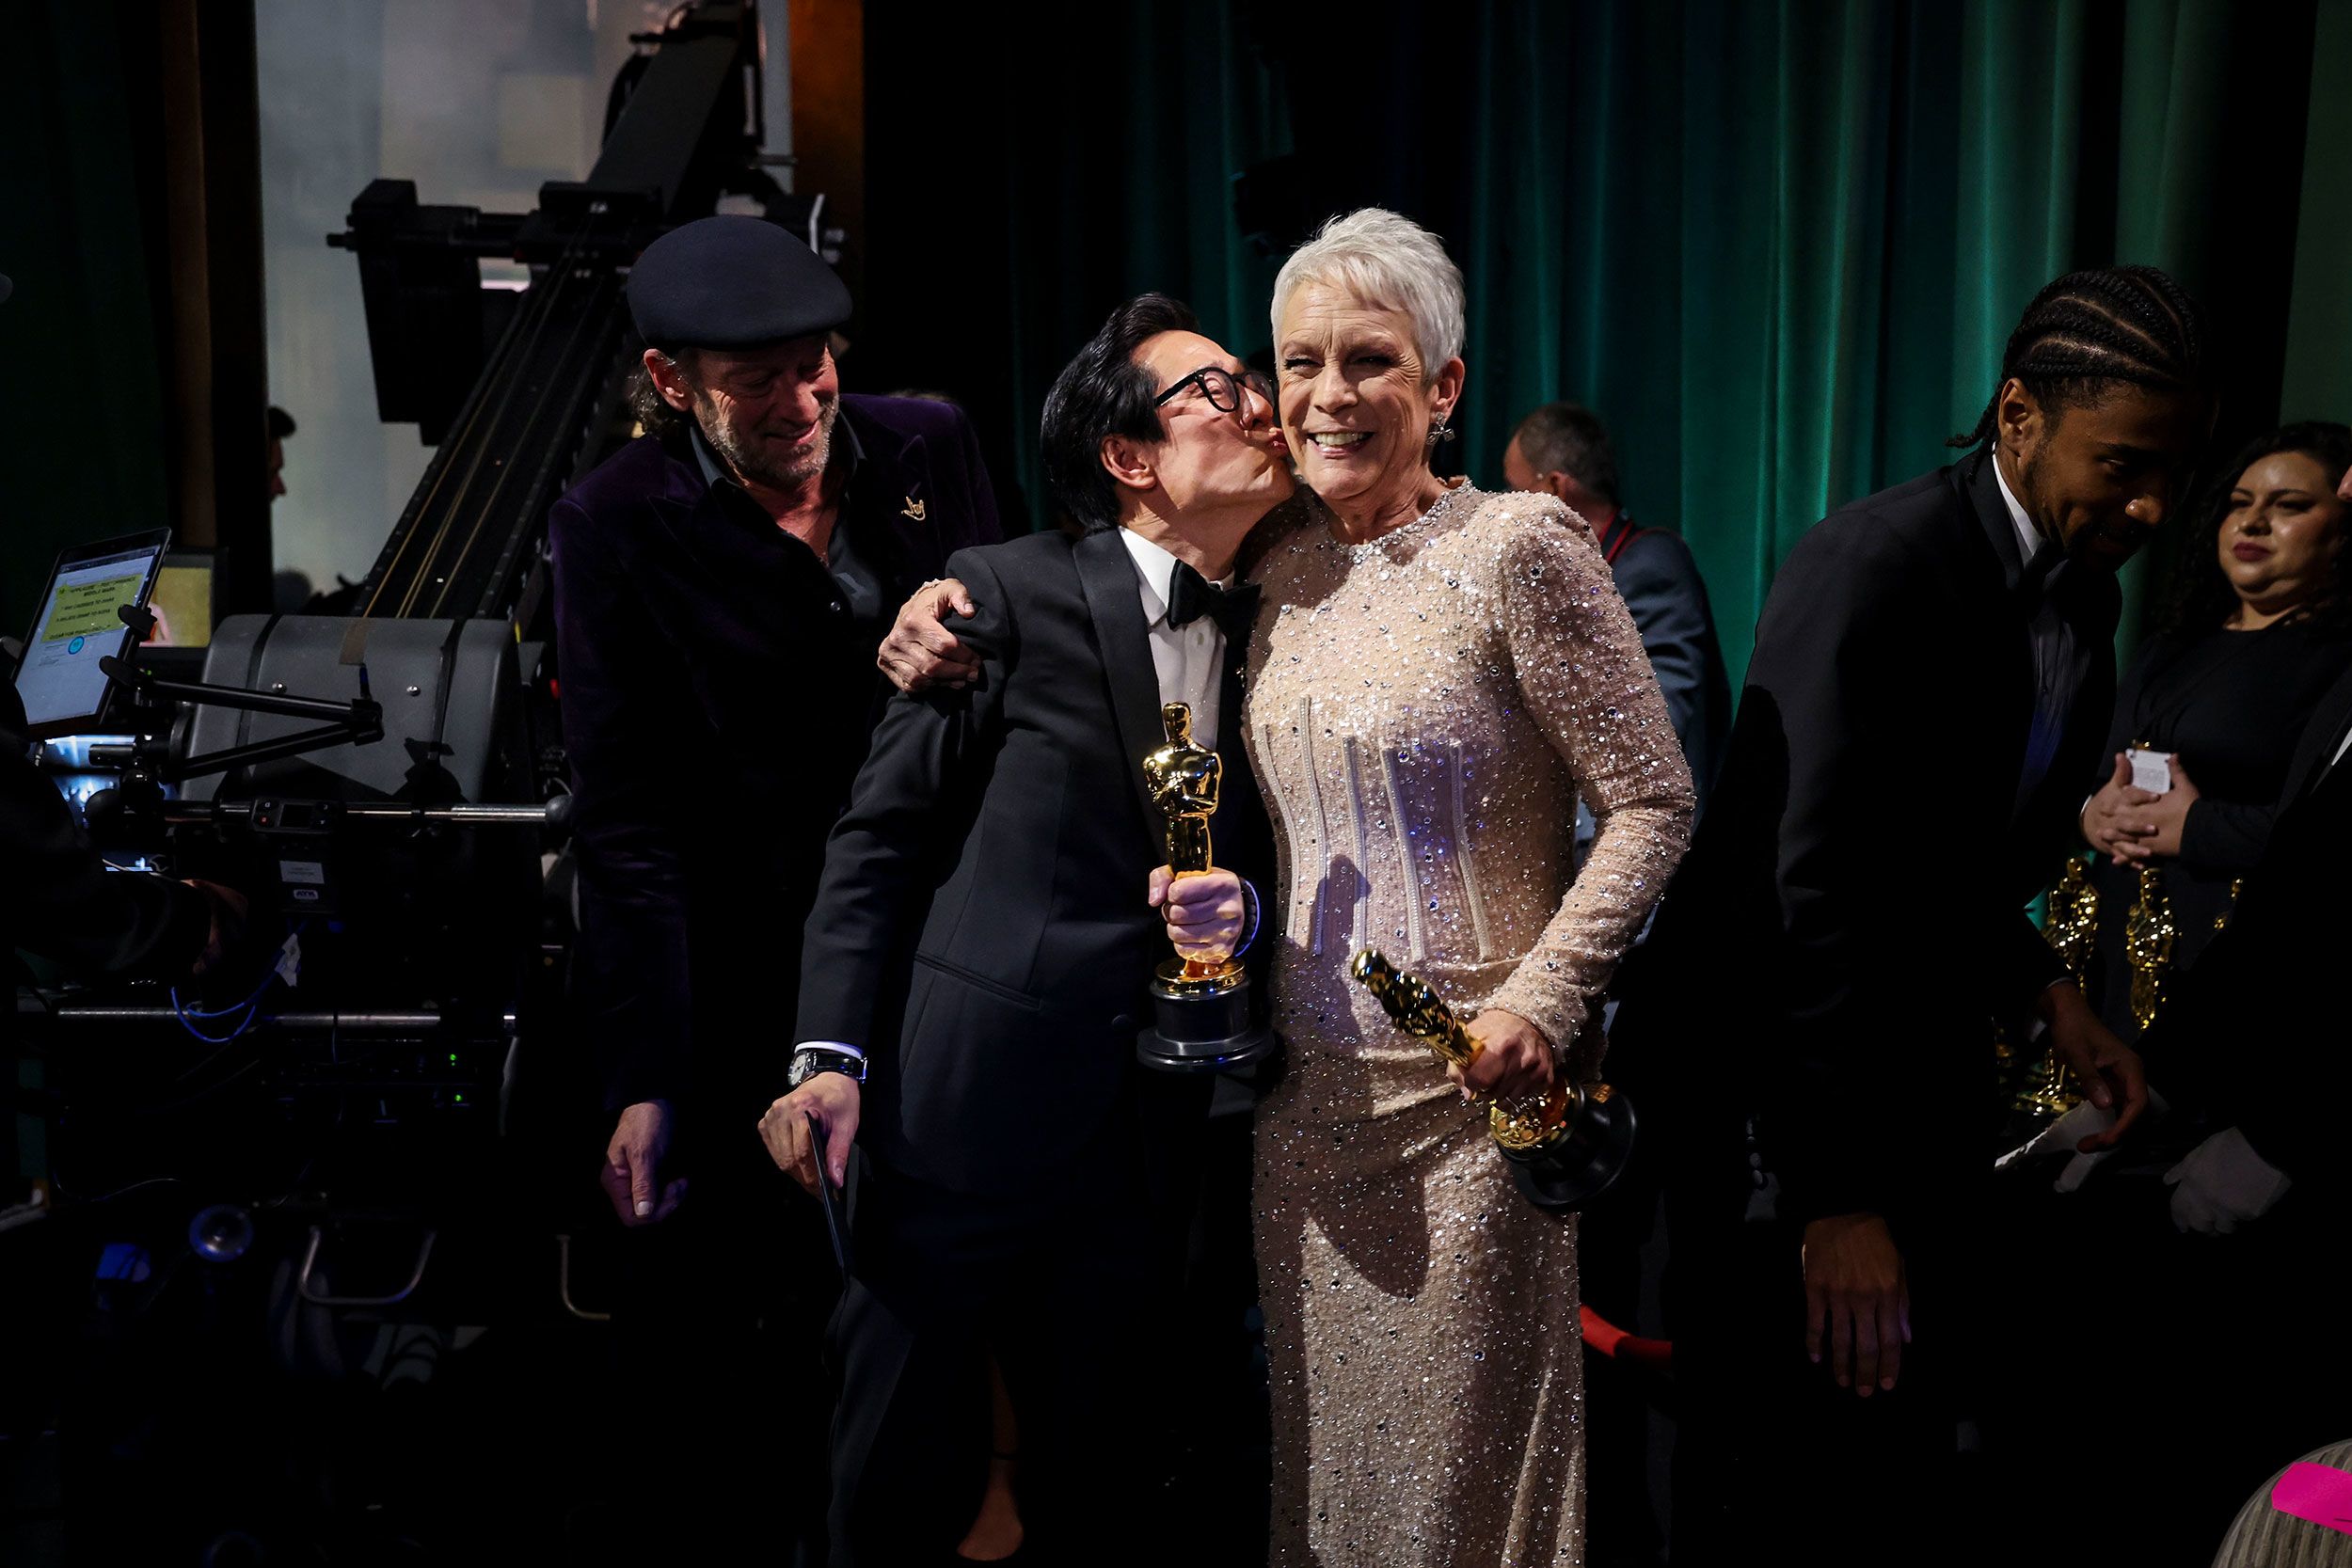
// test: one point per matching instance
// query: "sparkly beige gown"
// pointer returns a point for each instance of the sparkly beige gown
(1423, 711)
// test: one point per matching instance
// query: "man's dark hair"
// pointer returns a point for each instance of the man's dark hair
(280, 424)
(1569, 438)
(1101, 393)
(2091, 330)
(2200, 597)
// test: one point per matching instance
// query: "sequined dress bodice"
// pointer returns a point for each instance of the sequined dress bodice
(1422, 713)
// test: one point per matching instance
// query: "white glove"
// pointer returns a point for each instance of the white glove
(2223, 1184)
(2061, 1136)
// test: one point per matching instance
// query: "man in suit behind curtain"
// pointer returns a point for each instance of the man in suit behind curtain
(977, 958)
(1933, 675)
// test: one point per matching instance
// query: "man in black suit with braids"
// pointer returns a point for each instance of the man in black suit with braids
(1835, 992)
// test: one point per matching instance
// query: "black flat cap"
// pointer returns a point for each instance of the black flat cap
(732, 282)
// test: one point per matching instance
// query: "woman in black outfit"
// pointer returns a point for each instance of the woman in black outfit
(2258, 626)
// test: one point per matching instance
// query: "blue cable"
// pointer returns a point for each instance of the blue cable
(242, 1011)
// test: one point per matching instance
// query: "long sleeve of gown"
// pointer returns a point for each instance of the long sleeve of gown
(1588, 687)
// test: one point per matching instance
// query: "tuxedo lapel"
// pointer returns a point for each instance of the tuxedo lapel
(1241, 810)
(2322, 734)
(1107, 574)
(1986, 542)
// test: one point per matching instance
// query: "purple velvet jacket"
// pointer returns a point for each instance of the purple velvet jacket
(718, 693)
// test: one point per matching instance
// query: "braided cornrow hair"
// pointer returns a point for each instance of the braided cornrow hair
(2090, 329)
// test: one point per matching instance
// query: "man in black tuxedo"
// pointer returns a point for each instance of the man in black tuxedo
(1933, 676)
(978, 957)
(722, 584)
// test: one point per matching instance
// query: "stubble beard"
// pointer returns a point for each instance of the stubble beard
(2029, 496)
(745, 459)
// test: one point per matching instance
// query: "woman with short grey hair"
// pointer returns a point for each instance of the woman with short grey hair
(1438, 675)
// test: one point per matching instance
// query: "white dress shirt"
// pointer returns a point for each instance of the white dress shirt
(2053, 655)
(1189, 658)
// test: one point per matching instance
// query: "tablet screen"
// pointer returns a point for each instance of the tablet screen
(59, 679)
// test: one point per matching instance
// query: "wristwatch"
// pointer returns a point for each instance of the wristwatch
(810, 1060)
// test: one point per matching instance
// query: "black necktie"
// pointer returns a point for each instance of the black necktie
(1191, 596)
(2046, 576)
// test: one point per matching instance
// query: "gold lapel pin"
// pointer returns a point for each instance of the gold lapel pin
(913, 509)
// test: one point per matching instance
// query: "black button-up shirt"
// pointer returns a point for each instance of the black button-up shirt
(857, 585)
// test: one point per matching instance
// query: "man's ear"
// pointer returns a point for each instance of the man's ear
(1130, 461)
(668, 381)
(2019, 422)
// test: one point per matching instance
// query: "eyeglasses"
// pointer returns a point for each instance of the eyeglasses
(1222, 387)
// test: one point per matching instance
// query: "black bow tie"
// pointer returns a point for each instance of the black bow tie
(1190, 596)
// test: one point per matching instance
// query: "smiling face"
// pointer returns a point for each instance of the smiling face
(1214, 467)
(1357, 404)
(2279, 540)
(2100, 477)
(767, 411)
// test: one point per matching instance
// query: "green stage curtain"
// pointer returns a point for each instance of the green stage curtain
(1779, 245)
(83, 442)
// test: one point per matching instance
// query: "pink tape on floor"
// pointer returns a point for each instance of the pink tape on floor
(2318, 1493)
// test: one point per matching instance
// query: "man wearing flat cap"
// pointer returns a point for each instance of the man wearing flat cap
(722, 584)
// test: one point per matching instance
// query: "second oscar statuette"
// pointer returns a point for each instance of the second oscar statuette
(1564, 1149)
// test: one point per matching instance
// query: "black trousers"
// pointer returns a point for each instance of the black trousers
(1774, 1461)
(1075, 1287)
(719, 1348)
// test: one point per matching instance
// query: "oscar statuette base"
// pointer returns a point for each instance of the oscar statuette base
(1584, 1160)
(1201, 1022)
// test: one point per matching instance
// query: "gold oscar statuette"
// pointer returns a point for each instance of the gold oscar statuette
(2071, 928)
(1566, 1148)
(1183, 777)
(1200, 1005)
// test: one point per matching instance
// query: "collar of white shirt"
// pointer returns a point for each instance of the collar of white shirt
(1156, 566)
(2028, 537)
